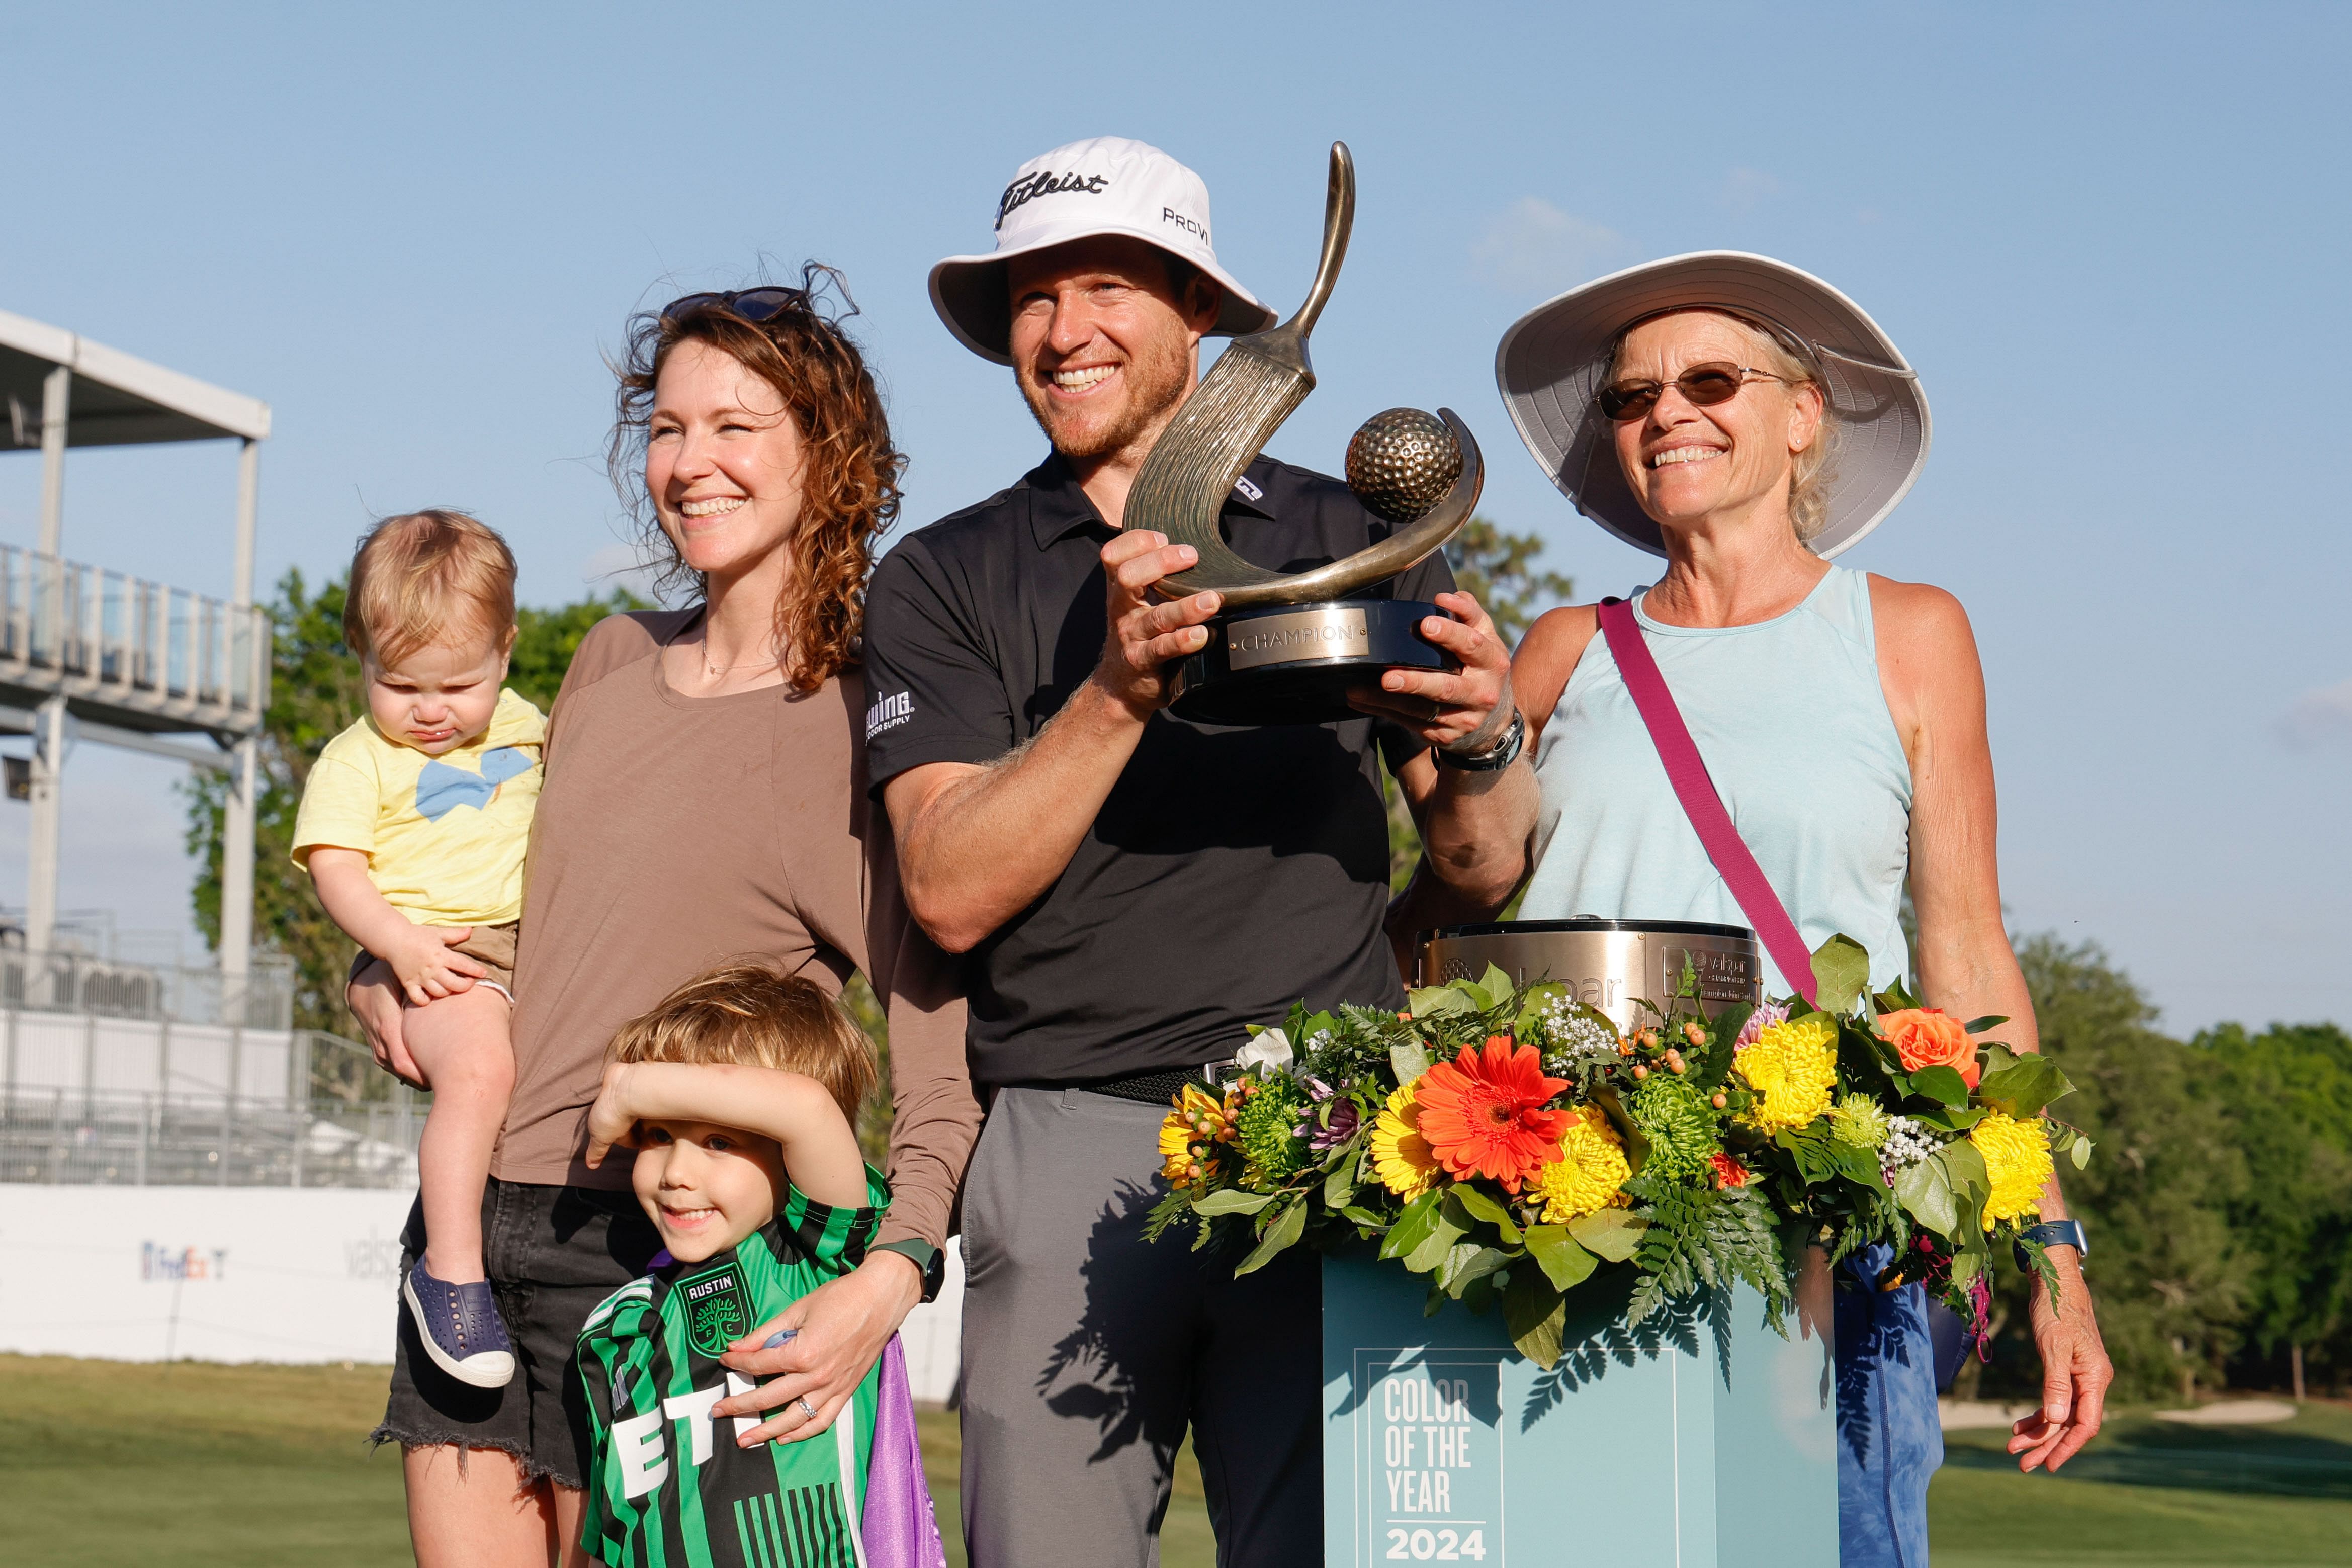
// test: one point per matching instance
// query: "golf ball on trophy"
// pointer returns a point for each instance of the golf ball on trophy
(1400, 463)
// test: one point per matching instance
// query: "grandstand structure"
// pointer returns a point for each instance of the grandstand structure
(112, 1071)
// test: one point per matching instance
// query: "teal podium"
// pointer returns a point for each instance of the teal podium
(1701, 1438)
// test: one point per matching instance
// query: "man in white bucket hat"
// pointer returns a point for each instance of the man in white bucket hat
(1746, 421)
(1133, 888)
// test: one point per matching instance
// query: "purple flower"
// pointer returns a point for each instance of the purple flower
(1762, 1019)
(1323, 1140)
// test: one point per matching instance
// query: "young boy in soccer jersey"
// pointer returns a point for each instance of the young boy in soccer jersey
(413, 826)
(738, 1093)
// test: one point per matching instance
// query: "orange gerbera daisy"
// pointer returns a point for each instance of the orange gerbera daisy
(1484, 1113)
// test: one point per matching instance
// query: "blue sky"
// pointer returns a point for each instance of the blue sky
(2112, 237)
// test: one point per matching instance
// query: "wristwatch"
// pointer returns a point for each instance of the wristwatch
(2054, 1233)
(1495, 758)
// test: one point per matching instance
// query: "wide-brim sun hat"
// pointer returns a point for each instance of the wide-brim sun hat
(1556, 357)
(1108, 185)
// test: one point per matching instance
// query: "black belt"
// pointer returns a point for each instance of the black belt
(1160, 1087)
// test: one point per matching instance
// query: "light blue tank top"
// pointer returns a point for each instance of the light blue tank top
(1793, 725)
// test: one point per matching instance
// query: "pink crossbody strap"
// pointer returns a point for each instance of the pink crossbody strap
(1687, 771)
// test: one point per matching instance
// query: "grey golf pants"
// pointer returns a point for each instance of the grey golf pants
(1087, 1351)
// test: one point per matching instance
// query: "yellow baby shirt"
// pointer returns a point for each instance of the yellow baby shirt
(444, 836)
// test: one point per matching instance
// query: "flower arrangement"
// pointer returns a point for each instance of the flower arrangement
(1506, 1142)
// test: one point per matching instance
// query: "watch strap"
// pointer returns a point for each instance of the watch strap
(1495, 758)
(923, 1256)
(2054, 1233)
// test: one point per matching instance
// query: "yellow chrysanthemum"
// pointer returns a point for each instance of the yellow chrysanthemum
(1198, 1120)
(1406, 1163)
(2017, 1156)
(1793, 1067)
(1591, 1168)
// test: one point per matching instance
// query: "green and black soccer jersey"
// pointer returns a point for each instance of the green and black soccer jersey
(668, 1487)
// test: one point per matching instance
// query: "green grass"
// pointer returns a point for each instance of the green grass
(2149, 1491)
(106, 1463)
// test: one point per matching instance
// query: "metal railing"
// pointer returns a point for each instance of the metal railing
(78, 983)
(66, 1137)
(102, 634)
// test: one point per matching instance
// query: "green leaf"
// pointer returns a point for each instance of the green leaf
(1612, 1234)
(1996, 1056)
(1942, 1084)
(1990, 1021)
(1556, 1252)
(1410, 1059)
(2080, 1152)
(1432, 1000)
(1444, 1235)
(1841, 969)
(1285, 1231)
(1971, 1183)
(1948, 1119)
(1535, 1316)
(1924, 1191)
(1713, 1060)
(1339, 1186)
(2023, 1088)
(1861, 1060)
(1468, 1263)
(1481, 1207)
(1496, 986)
(1230, 1201)
(1412, 1228)
(1364, 1218)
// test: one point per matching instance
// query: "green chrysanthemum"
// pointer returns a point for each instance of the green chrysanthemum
(1681, 1128)
(1859, 1120)
(1266, 1130)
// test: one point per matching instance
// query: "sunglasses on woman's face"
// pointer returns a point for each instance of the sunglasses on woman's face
(1702, 386)
(752, 304)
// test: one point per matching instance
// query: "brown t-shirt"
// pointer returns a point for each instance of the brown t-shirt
(676, 832)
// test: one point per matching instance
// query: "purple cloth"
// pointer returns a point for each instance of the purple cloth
(900, 1529)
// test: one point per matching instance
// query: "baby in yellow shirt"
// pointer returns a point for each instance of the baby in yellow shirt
(413, 826)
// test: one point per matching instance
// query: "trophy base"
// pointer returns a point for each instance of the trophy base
(1295, 663)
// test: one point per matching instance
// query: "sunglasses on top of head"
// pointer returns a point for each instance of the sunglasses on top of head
(1702, 386)
(752, 304)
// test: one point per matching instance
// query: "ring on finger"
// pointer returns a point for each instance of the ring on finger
(806, 1408)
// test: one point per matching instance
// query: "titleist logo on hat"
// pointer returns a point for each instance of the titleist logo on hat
(1029, 187)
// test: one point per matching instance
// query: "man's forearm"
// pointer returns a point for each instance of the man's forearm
(985, 845)
(1475, 829)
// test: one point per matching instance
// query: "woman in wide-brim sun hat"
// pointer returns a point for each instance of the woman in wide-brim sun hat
(1746, 421)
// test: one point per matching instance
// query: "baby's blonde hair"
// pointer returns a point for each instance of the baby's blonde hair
(418, 578)
(747, 1014)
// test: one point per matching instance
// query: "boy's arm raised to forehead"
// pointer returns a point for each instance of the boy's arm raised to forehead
(821, 1153)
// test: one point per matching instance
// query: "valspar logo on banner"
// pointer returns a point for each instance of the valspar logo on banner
(182, 1264)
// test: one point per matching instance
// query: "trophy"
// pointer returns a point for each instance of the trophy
(1287, 647)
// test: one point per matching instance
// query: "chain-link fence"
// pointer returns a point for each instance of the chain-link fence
(76, 1137)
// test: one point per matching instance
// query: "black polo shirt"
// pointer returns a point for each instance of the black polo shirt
(1230, 873)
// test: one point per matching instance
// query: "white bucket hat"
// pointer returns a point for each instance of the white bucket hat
(1555, 357)
(1106, 186)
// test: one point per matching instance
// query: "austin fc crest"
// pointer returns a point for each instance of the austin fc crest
(716, 1310)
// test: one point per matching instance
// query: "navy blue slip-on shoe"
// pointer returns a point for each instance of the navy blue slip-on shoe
(461, 1328)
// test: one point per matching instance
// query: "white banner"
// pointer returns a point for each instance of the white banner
(209, 1273)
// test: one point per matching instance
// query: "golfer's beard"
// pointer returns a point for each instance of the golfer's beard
(1154, 387)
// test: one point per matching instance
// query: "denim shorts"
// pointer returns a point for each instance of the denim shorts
(553, 1254)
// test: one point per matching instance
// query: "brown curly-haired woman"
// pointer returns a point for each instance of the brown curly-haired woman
(705, 797)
